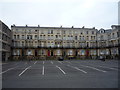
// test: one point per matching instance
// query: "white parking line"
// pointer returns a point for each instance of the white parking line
(7, 70)
(77, 69)
(3, 64)
(61, 70)
(108, 67)
(51, 62)
(24, 70)
(67, 62)
(60, 62)
(43, 62)
(94, 68)
(35, 62)
(25, 63)
(43, 71)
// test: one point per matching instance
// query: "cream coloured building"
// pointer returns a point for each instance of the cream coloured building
(35, 42)
(109, 42)
(52, 42)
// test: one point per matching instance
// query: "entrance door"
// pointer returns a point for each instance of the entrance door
(35, 52)
(48, 52)
(87, 52)
(51, 53)
(22, 52)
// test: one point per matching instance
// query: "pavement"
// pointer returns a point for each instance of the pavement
(60, 74)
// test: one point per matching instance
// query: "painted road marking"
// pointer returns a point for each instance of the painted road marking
(108, 67)
(35, 62)
(7, 70)
(61, 70)
(60, 62)
(3, 63)
(43, 62)
(67, 62)
(25, 63)
(43, 71)
(94, 68)
(24, 71)
(77, 69)
(51, 62)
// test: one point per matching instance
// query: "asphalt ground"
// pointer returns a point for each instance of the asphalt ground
(60, 74)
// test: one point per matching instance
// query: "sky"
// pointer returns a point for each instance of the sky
(56, 13)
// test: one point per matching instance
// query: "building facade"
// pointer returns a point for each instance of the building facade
(5, 42)
(109, 42)
(53, 42)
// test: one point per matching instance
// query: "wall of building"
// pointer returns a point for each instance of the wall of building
(52, 42)
(5, 41)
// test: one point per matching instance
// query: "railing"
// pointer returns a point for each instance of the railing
(55, 47)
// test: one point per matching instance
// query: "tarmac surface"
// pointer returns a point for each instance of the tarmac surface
(60, 74)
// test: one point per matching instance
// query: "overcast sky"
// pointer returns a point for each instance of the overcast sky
(77, 13)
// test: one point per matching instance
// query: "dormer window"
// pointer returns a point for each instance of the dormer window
(102, 31)
(114, 27)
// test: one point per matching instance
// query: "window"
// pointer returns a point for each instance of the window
(113, 35)
(86, 32)
(36, 36)
(101, 38)
(29, 36)
(58, 52)
(92, 32)
(58, 31)
(14, 36)
(87, 38)
(16, 52)
(41, 52)
(51, 31)
(87, 44)
(75, 37)
(42, 32)
(29, 52)
(56, 36)
(48, 36)
(22, 43)
(80, 37)
(70, 52)
(30, 31)
(0, 35)
(118, 34)
(17, 36)
(92, 37)
(76, 32)
(48, 31)
(63, 32)
(23, 36)
(42, 44)
(82, 52)
(109, 37)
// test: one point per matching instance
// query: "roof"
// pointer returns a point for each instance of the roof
(13, 26)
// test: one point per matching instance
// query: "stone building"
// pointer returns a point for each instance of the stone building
(53, 42)
(5, 42)
(109, 42)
